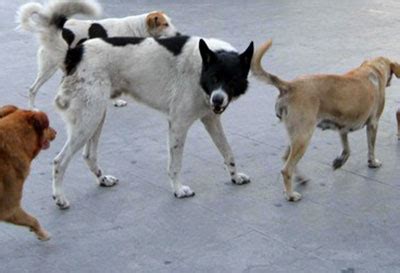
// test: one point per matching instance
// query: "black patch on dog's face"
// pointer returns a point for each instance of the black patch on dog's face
(73, 58)
(173, 44)
(225, 70)
(97, 31)
(58, 20)
(123, 41)
(68, 36)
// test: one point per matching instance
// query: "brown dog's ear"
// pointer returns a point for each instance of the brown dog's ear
(7, 109)
(395, 68)
(153, 20)
(39, 121)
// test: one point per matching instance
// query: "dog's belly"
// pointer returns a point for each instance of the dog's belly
(329, 124)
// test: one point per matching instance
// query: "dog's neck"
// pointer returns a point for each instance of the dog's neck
(137, 25)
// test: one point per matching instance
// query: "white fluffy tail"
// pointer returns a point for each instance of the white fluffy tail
(34, 17)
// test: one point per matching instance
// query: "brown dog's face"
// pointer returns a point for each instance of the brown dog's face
(159, 25)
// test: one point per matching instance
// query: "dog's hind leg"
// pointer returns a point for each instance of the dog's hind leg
(398, 123)
(340, 160)
(372, 128)
(90, 156)
(21, 218)
(299, 176)
(46, 68)
(213, 126)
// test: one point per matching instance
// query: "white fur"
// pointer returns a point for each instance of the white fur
(34, 17)
(152, 75)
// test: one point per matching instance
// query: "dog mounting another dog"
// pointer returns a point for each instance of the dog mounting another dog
(23, 134)
(195, 79)
(32, 15)
(344, 103)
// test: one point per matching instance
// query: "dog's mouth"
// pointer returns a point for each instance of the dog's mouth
(45, 144)
(218, 109)
(48, 136)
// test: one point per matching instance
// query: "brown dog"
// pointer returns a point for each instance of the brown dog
(22, 135)
(340, 102)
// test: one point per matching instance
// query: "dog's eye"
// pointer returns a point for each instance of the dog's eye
(215, 79)
(166, 24)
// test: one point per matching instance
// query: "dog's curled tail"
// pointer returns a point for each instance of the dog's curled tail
(259, 72)
(34, 17)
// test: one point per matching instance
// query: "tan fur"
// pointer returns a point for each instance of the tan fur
(22, 135)
(345, 103)
(156, 22)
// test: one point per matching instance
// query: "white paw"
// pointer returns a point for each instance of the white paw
(120, 103)
(293, 197)
(374, 163)
(61, 201)
(240, 179)
(184, 191)
(107, 181)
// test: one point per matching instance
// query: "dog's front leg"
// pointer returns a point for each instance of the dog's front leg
(213, 126)
(372, 128)
(176, 141)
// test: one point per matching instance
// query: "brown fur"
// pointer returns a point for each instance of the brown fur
(345, 103)
(22, 135)
(156, 22)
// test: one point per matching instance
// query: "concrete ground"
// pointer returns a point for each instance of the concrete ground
(348, 220)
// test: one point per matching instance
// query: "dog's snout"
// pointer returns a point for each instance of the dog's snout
(217, 99)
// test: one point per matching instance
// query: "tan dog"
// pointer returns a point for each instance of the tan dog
(22, 135)
(344, 103)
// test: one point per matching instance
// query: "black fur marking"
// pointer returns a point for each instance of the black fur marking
(97, 31)
(58, 21)
(73, 58)
(173, 44)
(68, 36)
(81, 41)
(232, 164)
(326, 124)
(123, 41)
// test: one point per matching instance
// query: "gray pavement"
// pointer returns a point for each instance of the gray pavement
(348, 220)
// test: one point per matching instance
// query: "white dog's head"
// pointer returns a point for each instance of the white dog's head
(160, 25)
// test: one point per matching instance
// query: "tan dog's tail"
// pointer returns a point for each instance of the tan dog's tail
(259, 72)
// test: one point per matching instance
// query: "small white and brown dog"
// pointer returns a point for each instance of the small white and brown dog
(153, 24)
(344, 103)
(196, 79)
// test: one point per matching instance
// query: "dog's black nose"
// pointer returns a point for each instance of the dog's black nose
(217, 99)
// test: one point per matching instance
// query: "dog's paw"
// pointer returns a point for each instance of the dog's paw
(373, 164)
(43, 235)
(61, 201)
(183, 192)
(240, 179)
(120, 103)
(293, 197)
(107, 181)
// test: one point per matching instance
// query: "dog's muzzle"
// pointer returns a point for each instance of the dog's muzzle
(219, 101)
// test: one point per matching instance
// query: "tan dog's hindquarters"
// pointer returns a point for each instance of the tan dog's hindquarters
(344, 103)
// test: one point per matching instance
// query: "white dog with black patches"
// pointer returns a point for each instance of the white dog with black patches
(186, 78)
(153, 24)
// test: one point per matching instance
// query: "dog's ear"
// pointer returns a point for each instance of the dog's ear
(153, 20)
(395, 69)
(7, 109)
(39, 121)
(245, 57)
(207, 55)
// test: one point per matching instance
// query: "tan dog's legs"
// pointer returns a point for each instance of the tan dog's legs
(372, 128)
(340, 160)
(398, 123)
(21, 218)
(299, 177)
(298, 147)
